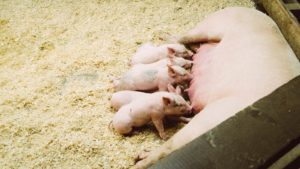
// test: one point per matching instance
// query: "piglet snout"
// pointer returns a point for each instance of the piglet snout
(190, 53)
(189, 110)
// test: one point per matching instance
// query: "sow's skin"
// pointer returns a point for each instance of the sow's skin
(244, 57)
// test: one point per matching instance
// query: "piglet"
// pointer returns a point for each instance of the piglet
(121, 98)
(173, 60)
(124, 97)
(170, 60)
(149, 53)
(153, 107)
(144, 78)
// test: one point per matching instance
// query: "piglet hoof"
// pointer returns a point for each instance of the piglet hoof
(141, 156)
(185, 119)
(164, 137)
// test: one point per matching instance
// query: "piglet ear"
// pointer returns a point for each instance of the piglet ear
(178, 90)
(171, 52)
(166, 101)
(171, 88)
(171, 71)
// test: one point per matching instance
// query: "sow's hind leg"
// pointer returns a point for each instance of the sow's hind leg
(205, 120)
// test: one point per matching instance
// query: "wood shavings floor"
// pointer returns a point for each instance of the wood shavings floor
(56, 62)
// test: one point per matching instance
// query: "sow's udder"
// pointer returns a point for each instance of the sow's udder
(201, 71)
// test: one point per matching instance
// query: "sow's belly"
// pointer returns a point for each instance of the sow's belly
(205, 73)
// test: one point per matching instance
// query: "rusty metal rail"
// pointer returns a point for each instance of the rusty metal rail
(286, 13)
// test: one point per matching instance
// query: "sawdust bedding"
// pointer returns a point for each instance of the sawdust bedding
(57, 61)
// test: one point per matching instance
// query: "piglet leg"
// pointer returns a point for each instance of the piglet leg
(158, 123)
(179, 119)
(208, 118)
(185, 119)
